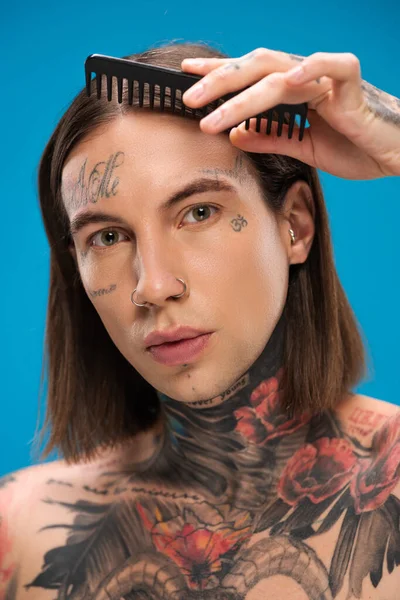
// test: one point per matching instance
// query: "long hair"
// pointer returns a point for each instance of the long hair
(95, 398)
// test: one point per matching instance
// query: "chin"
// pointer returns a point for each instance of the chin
(196, 391)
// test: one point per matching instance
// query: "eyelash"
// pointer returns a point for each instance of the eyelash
(93, 235)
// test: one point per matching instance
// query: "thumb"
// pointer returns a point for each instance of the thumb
(251, 141)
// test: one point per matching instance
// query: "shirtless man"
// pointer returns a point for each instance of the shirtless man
(251, 471)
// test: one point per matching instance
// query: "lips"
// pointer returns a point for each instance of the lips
(157, 338)
(183, 351)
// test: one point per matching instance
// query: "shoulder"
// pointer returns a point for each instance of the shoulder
(364, 416)
(375, 488)
(373, 426)
(22, 514)
(15, 492)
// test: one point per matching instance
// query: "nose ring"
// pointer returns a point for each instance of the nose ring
(177, 296)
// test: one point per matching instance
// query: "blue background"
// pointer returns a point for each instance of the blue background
(43, 47)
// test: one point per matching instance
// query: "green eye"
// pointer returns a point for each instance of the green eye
(202, 210)
(108, 237)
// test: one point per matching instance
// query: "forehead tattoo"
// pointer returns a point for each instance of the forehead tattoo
(100, 182)
(240, 171)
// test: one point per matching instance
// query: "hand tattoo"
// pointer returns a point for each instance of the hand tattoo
(383, 105)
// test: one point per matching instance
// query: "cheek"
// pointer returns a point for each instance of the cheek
(110, 296)
(260, 273)
(263, 292)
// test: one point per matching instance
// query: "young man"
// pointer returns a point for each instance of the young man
(238, 463)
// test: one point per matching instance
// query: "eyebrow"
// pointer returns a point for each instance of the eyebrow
(198, 186)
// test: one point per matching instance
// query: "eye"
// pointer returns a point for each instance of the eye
(202, 210)
(107, 236)
(110, 237)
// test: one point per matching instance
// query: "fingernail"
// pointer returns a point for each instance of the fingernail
(195, 92)
(214, 118)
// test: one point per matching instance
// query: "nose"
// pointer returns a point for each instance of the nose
(157, 293)
(158, 282)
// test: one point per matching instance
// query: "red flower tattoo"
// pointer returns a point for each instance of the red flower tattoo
(265, 420)
(196, 547)
(317, 471)
(375, 478)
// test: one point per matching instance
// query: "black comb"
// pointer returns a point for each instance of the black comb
(178, 82)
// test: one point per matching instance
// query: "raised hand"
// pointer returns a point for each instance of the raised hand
(354, 128)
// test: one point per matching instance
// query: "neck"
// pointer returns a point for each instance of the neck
(223, 444)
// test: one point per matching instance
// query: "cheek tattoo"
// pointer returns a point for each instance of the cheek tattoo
(103, 291)
(101, 182)
(238, 223)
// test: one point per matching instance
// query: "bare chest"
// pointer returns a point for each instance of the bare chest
(176, 545)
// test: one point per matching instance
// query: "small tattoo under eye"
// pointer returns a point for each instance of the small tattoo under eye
(238, 223)
(103, 291)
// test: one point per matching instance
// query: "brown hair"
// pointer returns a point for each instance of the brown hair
(94, 396)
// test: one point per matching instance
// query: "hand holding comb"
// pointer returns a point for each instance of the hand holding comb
(165, 88)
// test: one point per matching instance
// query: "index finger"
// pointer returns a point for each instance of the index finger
(202, 66)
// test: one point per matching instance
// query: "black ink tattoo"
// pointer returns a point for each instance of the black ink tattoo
(238, 223)
(238, 172)
(230, 66)
(383, 105)
(153, 539)
(182, 524)
(4, 481)
(103, 291)
(201, 402)
(98, 185)
(59, 482)
(296, 57)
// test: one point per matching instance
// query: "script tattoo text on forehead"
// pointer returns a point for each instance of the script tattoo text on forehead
(102, 182)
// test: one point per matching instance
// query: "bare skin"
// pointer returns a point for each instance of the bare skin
(234, 500)
(53, 502)
(139, 256)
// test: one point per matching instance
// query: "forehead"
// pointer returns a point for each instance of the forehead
(149, 151)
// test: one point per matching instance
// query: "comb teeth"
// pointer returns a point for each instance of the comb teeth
(138, 75)
(281, 111)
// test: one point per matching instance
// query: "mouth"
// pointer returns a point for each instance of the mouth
(182, 351)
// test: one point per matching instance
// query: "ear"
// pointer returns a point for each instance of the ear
(299, 215)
